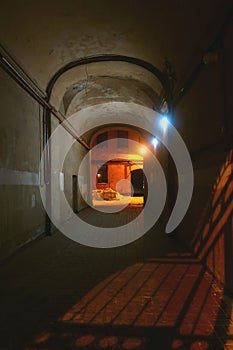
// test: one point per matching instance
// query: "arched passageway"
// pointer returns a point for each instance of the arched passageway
(80, 73)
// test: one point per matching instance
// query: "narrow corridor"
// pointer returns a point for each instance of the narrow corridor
(116, 175)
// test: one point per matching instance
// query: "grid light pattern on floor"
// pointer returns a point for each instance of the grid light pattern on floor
(149, 305)
(151, 294)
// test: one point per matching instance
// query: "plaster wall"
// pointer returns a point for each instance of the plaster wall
(22, 213)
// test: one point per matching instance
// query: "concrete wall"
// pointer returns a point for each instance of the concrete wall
(70, 167)
(204, 119)
(22, 214)
(21, 146)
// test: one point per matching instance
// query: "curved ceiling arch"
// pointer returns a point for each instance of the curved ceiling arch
(149, 120)
(163, 92)
(43, 36)
(106, 58)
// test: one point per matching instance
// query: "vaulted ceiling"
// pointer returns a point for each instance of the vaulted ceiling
(44, 36)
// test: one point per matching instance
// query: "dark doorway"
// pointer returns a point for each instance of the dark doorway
(137, 181)
(75, 193)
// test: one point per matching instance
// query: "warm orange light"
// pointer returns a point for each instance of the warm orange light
(84, 340)
(132, 156)
(42, 338)
(142, 150)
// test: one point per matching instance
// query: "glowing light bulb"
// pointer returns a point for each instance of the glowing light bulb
(164, 123)
(142, 150)
(155, 142)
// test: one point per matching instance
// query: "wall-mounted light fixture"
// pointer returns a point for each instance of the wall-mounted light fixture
(155, 142)
(164, 123)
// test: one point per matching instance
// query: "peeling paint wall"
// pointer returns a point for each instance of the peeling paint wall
(109, 89)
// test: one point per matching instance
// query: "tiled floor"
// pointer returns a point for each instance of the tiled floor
(151, 294)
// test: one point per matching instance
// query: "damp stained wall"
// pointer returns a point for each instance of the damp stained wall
(22, 213)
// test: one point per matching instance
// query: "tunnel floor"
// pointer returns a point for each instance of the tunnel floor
(151, 294)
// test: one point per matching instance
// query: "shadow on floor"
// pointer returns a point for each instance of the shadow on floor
(151, 294)
(149, 305)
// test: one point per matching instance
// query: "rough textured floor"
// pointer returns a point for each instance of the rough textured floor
(151, 294)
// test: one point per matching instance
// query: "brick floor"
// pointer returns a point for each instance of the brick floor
(56, 294)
